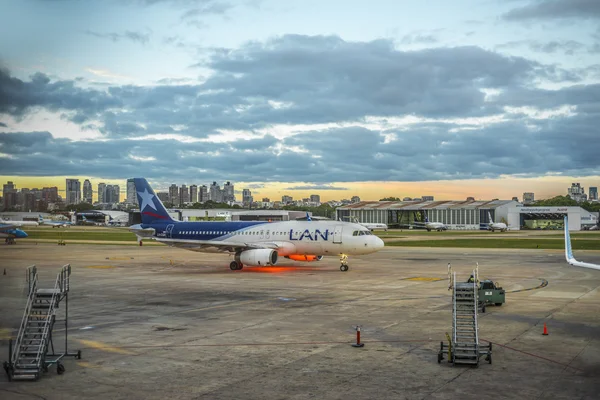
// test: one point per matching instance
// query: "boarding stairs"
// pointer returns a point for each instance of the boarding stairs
(464, 323)
(29, 354)
(464, 346)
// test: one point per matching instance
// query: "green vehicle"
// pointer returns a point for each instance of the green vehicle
(490, 293)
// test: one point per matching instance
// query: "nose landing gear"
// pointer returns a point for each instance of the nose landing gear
(344, 260)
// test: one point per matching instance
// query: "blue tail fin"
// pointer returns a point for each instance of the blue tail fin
(151, 208)
(308, 217)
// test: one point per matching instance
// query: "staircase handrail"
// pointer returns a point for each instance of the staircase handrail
(17, 347)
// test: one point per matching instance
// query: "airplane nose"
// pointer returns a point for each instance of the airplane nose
(379, 244)
(20, 234)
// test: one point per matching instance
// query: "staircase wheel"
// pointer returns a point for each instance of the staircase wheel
(60, 369)
(79, 354)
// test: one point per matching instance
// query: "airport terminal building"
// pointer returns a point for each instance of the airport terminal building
(466, 215)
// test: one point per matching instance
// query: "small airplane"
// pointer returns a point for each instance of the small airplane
(496, 226)
(436, 226)
(370, 225)
(569, 250)
(255, 243)
(54, 224)
(10, 232)
(19, 223)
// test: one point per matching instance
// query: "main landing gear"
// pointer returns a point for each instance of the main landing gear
(234, 266)
(344, 260)
(10, 241)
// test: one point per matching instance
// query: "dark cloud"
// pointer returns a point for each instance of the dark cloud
(18, 97)
(555, 9)
(316, 80)
(139, 37)
(3, 125)
(316, 187)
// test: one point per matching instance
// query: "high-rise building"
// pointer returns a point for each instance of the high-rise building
(50, 194)
(131, 194)
(215, 193)
(266, 200)
(9, 193)
(184, 195)
(247, 196)
(87, 191)
(116, 194)
(577, 192)
(285, 199)
(528, 198)
(228, 192)
(427, 198)
(174, 195)
(194, 194)
(163, 196)
(203, 194)
(108, 194)
(73, 192)
(101, 192)
(355, 199)
(315, 198)
(593, 193)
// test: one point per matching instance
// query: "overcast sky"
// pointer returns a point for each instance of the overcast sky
(301, 95)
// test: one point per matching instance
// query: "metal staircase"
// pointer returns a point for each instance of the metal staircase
(29, 354)
(463, 346)
(464, 323)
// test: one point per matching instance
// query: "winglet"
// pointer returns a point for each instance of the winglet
(568, 248)
(308, 217)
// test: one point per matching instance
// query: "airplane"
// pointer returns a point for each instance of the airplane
(370, 225)
(437, 226)
(496, 226)
(569, 250)
(255, 243)
(19, 223)
(54, 224)
(10, 232)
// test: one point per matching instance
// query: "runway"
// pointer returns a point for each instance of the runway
(156, 322)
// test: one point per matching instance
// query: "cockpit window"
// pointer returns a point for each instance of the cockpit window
(355, 233)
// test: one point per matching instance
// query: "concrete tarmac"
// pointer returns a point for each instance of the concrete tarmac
(157, 322)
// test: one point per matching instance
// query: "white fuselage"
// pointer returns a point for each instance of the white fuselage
(438, 226)
(289, 237)
(497, 226)
(19, 223)
(374, 226)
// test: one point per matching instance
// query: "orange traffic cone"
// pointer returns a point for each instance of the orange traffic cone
(545, 330)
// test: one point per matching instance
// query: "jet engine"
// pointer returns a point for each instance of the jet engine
(303, 257)
(257, 257)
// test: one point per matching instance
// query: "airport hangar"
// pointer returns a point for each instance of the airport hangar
(466, 215)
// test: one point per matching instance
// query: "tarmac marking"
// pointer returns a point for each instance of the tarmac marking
(423, 279)
(102, 346)
(5, 334)
(237, 303)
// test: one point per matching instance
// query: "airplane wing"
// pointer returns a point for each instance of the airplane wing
(569, 250)
(224, 246)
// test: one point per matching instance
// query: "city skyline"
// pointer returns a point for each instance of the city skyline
(437, 95)
(445, 190)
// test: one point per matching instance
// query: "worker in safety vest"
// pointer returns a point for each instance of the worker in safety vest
(471, 279)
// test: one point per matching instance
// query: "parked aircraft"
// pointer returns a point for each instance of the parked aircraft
(496, 226)
(253, 243)
(54, 224)
(10, 232)
(19, 223)
(370, 225)
(569, 250)
(436, 226)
